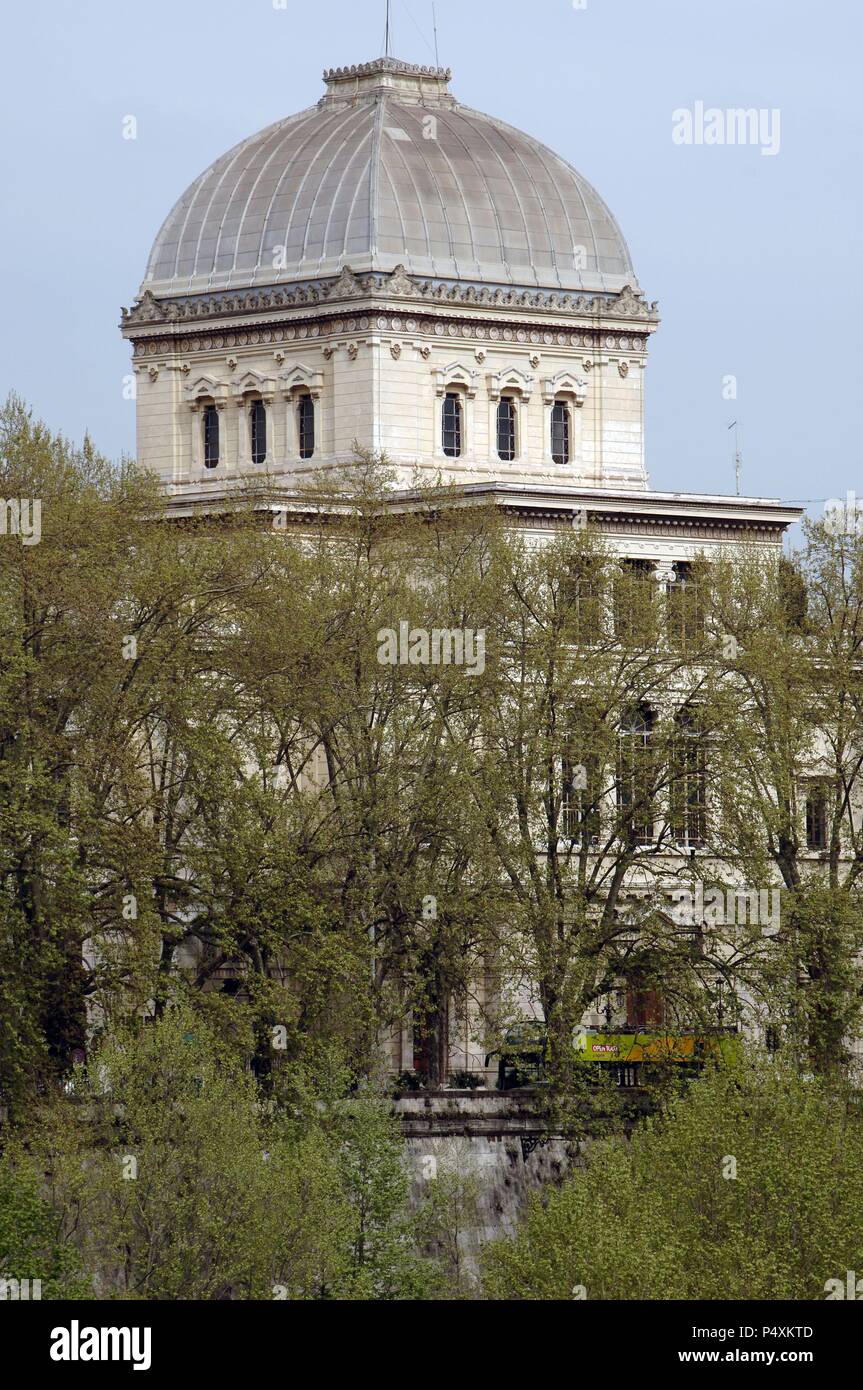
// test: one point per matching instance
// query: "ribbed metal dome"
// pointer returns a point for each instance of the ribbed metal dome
(389, 169)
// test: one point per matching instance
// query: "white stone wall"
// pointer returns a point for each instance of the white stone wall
(385, 390)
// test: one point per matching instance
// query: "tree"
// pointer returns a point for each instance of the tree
(449, 1218)
(784, 693)
(31, 1247)
(171, 1179)
(574, 775)
(58, 638)
(374, 752)
(749, 1186)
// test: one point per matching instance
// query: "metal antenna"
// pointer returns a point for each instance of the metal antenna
(738, 459)
(387, 40)
(434, 26)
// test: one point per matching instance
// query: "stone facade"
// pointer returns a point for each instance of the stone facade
(378, 371)
(424, 251)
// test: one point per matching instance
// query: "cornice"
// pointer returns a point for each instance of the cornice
(698, 517)
(150, 312)
(644, 508)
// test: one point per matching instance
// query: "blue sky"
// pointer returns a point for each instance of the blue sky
(755, 259)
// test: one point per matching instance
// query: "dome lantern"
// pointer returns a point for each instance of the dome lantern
(405, 81)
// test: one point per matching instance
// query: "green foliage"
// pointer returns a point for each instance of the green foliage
(384, 1260)
(222, 812)
(30, 1245)
(658, 1217)
(448, 1219)
(166, 1174)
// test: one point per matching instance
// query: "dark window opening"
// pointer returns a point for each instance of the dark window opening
(634, 600)
(560, 432)
(816, 817)
(584, 592)
(506, 428)
(451, 425)
(685, 607)
(258, 429)
(645, 1008)
(635, 776)
(306, 426)
(688, 781)
(579, 805)
(211, 436)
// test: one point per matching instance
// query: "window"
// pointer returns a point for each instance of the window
(685, 607)
(306, 425)
(211, 436)
(451, 425)
(506, 428)
(579, 812)
(560, 432)
(634, 598)
(635, 776)
(584, 592)
(645, 1008)
(688, 781)
(258, 431)
(816, 816)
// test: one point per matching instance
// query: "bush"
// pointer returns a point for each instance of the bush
(749, 1186)
(465, 1080)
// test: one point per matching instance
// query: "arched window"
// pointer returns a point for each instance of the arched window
(689, 780)
(506, 428)
(635, 779)
(560, 432)
(306, 425)
(451, 424)
(258, 431)
(211, 436)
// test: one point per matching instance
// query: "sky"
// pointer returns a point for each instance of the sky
(754, 257)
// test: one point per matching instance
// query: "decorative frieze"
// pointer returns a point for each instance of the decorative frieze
(676, 528)
(508, 335)
(149, 310)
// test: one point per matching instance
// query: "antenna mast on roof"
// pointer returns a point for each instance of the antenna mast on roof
(434, 26)
(387, 39)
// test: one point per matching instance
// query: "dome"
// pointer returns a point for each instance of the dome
(389, 169)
